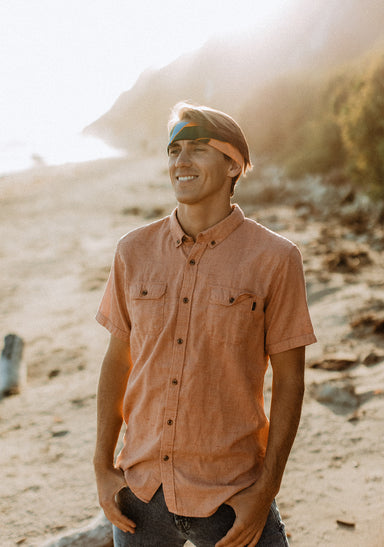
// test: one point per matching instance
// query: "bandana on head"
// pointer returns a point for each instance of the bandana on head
(190, 131)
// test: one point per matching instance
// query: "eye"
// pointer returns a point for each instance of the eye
(174, 151)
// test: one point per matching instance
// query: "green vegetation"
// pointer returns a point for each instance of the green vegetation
(317, 124)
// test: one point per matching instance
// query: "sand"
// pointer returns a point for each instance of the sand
(59, 228)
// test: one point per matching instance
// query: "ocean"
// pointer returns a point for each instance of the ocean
(18, 154)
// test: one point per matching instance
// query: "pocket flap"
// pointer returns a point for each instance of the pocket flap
(227, 296)
(148, 291)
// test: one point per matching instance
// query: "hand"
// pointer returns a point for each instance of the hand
(252, 506)
(109, 483)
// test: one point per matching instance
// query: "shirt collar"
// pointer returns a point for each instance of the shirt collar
(214, 235)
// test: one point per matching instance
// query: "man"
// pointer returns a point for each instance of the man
(196, 304)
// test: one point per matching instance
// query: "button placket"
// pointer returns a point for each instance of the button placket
(176, 371)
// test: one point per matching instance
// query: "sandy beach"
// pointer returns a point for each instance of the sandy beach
(59, 229)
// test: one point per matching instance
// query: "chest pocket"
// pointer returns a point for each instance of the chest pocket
(148, 300)
(232, 313)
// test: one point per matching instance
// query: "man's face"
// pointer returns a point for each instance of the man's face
(199, 173)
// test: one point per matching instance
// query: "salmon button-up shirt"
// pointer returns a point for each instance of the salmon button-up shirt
(202, 317)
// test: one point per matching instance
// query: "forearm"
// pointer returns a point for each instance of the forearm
(110, 396)
(286, 404)
(252, 505)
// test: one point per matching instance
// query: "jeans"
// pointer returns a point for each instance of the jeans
(157, 527)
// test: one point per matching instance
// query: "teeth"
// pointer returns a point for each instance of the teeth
(184, 179)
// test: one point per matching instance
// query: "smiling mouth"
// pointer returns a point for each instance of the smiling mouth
(186, 178)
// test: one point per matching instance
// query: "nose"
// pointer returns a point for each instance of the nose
(183, 157)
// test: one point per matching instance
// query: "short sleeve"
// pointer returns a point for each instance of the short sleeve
(287, 321)
(113, 313)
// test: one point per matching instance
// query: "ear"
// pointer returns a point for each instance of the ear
(234, 169)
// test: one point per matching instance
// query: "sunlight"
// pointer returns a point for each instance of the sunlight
(65, 62)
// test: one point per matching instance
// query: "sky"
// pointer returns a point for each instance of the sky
(63, 63)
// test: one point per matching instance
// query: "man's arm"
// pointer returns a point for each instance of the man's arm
(112, 385)
(252, 505)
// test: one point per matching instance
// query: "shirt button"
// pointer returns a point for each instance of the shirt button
(165, 458)
(192, 262)
(170, 422)
(144, 292)
(185, 300)
(174, 382)
(213, 242)
(231, 300)
(179, 340)
(178, 241)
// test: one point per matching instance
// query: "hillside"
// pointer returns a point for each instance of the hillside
(231, 71)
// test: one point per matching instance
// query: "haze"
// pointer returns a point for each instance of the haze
(63, 63)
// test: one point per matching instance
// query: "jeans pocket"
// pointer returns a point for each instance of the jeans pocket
(122, 497)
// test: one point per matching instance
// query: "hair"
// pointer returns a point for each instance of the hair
(223, 125)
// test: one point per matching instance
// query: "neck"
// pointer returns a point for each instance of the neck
(195, 218)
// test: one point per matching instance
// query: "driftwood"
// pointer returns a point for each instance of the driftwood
(12, 371)
(97, 534)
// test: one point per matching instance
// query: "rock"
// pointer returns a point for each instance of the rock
(59, 432)
(348, 197)
(357, 219)
(347, 523)
(134, 211)
(304, 210)
(369, 323)
(336, 362)
(154, 212)
(339, 396)
(337, 178)
(372, 359)
(97, 534)
(12, 371)
(345, 261)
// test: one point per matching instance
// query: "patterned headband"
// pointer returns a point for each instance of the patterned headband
(190, 131)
